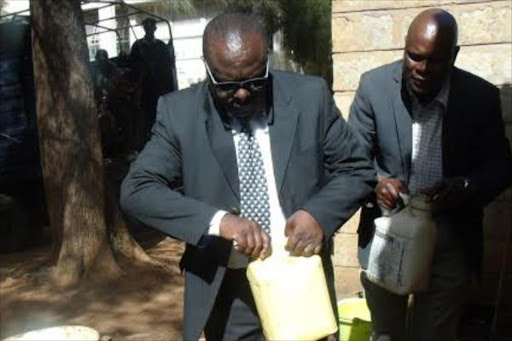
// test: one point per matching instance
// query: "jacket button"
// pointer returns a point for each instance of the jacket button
(235, 210)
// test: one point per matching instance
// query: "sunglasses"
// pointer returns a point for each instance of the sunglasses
(253, 84)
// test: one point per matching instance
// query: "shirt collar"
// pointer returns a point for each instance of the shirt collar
(443, 94)
(441, 97)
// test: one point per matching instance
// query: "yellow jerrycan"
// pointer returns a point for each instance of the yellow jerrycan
(291, 297)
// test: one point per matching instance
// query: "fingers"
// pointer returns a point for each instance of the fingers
(444, 190)
(433, 191)
(385, 195)
(392, 190)
(258, 245)
(448, 194)
(388, 192)
(265, 250)
(288, 228)
(318, 248)
(299, 248)
(385, 198)
(251, 240)
(305, 236)
(304, 243)
(291, 242)
(250, 243)
(308, 251)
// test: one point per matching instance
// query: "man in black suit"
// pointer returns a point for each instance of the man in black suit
(249, 162)
(437, 131)
(151, 59)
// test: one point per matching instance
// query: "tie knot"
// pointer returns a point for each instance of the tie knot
(246, 126)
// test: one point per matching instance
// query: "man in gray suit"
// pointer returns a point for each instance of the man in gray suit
(435, 130)
(250, 161)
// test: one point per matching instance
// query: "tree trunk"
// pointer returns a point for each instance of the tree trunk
(70, 146)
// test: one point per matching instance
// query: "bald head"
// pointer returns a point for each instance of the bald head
(235, 51)
(430, 52)
(233, 34)
(434, 24)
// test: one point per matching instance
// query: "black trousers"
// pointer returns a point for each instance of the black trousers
(234, 315)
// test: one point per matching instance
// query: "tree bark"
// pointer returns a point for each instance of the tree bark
(72, 162)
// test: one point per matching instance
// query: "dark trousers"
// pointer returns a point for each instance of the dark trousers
(234, 315)
(434, 313)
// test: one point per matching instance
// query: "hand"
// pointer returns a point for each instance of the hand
(447, 192)
(387, 192)
(305, 236)
(249, 238)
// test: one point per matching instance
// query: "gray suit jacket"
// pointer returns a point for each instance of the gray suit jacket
(473, 143)
(188, 171)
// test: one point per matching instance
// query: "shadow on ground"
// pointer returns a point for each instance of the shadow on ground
(144, 304)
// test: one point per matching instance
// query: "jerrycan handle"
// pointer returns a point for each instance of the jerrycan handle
(402, 202)
(421, 203)
(406, 199)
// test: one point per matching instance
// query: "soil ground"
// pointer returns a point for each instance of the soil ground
(144, 304)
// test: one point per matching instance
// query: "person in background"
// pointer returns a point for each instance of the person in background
(151, 59)
(103, 74)
(104, 71)
(433, 130)
(249, 162)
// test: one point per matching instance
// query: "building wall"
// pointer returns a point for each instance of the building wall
(367, 34)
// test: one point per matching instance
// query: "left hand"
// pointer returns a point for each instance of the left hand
(447, 192)
(305, 236)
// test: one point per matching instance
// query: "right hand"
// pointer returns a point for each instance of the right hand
(249, 238)
(387, 192)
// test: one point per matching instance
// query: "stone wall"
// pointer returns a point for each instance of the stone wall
(367, 34)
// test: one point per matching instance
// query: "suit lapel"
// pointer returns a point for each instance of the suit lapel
(282, 132)
(282, 129)
(403, 121)
(222, 146)
(450, 121)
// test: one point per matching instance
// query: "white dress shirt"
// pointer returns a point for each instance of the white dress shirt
(260, 130)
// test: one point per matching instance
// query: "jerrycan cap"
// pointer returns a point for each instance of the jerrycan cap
(420, 203)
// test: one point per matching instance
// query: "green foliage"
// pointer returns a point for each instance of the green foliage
(306, 27)
(178, 6)
(305, 24)
(270, 10)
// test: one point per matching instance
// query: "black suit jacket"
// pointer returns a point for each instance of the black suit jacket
(188, 171)
(473, 142)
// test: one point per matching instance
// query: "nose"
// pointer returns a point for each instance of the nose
(242, 95)
(424, 66)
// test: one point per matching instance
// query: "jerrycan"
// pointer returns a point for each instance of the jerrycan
(292, 298)
(402, 249)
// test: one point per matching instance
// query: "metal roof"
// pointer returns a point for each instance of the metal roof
(89, 6)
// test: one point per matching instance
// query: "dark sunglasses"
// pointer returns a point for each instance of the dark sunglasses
(253, 84)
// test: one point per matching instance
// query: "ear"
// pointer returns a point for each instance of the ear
(455, 53)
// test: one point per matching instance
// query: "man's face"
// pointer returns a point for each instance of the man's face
(428, 60)
(101, 58)
(150, 28)
(246, 62)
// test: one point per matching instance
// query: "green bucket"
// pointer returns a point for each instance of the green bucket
(354, 320)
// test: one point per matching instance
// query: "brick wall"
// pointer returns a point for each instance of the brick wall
(367, 34)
